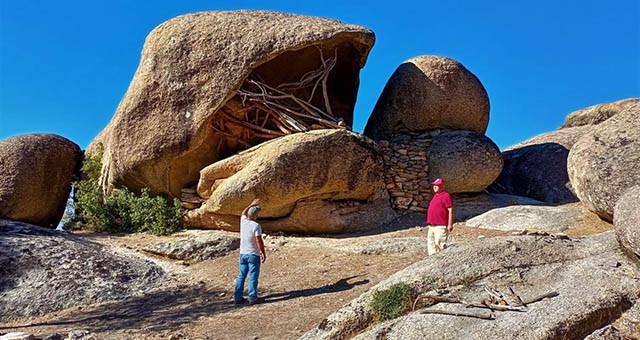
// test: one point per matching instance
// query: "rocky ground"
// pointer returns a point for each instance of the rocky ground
(304, 280)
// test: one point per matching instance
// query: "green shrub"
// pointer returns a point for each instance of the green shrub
(392, 302)
(122, 211)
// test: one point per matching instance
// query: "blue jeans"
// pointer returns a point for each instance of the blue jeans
(248, 264)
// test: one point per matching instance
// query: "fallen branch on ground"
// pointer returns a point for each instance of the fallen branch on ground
(486, 316)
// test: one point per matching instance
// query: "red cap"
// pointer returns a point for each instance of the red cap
(438, 181)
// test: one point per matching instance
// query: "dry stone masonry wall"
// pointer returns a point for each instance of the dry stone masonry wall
(406, 171)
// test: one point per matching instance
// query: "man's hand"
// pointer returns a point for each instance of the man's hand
(263, 257)
(255, 202)
(450, 228)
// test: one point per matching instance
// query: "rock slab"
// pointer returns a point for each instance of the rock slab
(530, 265)
(44, 270)
(198, 246)
(527, 217)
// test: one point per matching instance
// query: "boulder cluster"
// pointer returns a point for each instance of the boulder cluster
(226, 107)
(430, 122)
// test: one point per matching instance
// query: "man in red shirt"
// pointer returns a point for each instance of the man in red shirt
(439, 217)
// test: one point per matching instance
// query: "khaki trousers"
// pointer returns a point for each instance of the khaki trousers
(436, 238)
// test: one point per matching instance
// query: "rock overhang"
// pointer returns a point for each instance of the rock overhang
(193, 65)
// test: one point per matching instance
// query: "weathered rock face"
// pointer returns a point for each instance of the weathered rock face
(551, 219)
(322, 181)
(606, 162)
(531, 266)
(43, 271)
(537, 167)
(37, 171)
(467, 161)
(161, 135)
(597, 114)
(198, 246)
(627, 327)
(626, 219)
(429, 92)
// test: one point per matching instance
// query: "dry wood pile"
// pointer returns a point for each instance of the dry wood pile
(261, 111)
(495, 301)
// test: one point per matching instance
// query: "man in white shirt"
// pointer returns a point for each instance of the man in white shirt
(251, 253)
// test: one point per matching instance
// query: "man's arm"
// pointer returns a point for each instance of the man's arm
(450, 222)
(253, 203)
(263, 254)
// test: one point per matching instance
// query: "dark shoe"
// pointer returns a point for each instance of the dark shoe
(255, 302)
(241, 302)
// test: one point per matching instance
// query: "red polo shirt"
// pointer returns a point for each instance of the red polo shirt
(438, 213)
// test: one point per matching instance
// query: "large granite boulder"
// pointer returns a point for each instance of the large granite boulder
(467, 161)
(530, 265)
(163, 133)
(429, 92)
(43, 270)
(528, 217)
(604, 163)
(37, 171)
(597, 114)
(324, 181)
(626, 218)
(537, 167)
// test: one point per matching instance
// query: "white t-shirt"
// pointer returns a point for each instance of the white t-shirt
(248, 231)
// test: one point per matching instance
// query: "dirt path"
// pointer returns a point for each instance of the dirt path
(303, 281)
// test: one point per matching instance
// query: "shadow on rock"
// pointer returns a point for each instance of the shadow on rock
(156, 311)
(338, 286)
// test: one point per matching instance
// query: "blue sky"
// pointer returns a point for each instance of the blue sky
(65, 65)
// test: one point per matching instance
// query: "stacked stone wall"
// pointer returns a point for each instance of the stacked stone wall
(407, 171)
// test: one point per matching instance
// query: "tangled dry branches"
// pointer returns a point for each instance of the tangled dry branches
(261, 111)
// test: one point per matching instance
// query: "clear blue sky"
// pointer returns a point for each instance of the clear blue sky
(65, 65)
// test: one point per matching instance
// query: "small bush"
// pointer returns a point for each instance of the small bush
(392, 302)
(122, 210)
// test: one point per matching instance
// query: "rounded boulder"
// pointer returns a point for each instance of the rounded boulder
(537, 168)
(37, 171)
(430, 92)
(467, 161)
(324, 181)
(604, 163)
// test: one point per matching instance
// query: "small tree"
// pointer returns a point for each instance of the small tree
(122, 210)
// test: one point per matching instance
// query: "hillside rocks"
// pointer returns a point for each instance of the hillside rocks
(597, 114)
(429, 92)
(537, 168)
(626, 219)
(526, 217)
(197, 246)
(37, 170)
(531, 266)
(323, 181)
(606, 162)
(162, 133)
(43, 270)
(469, 162)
